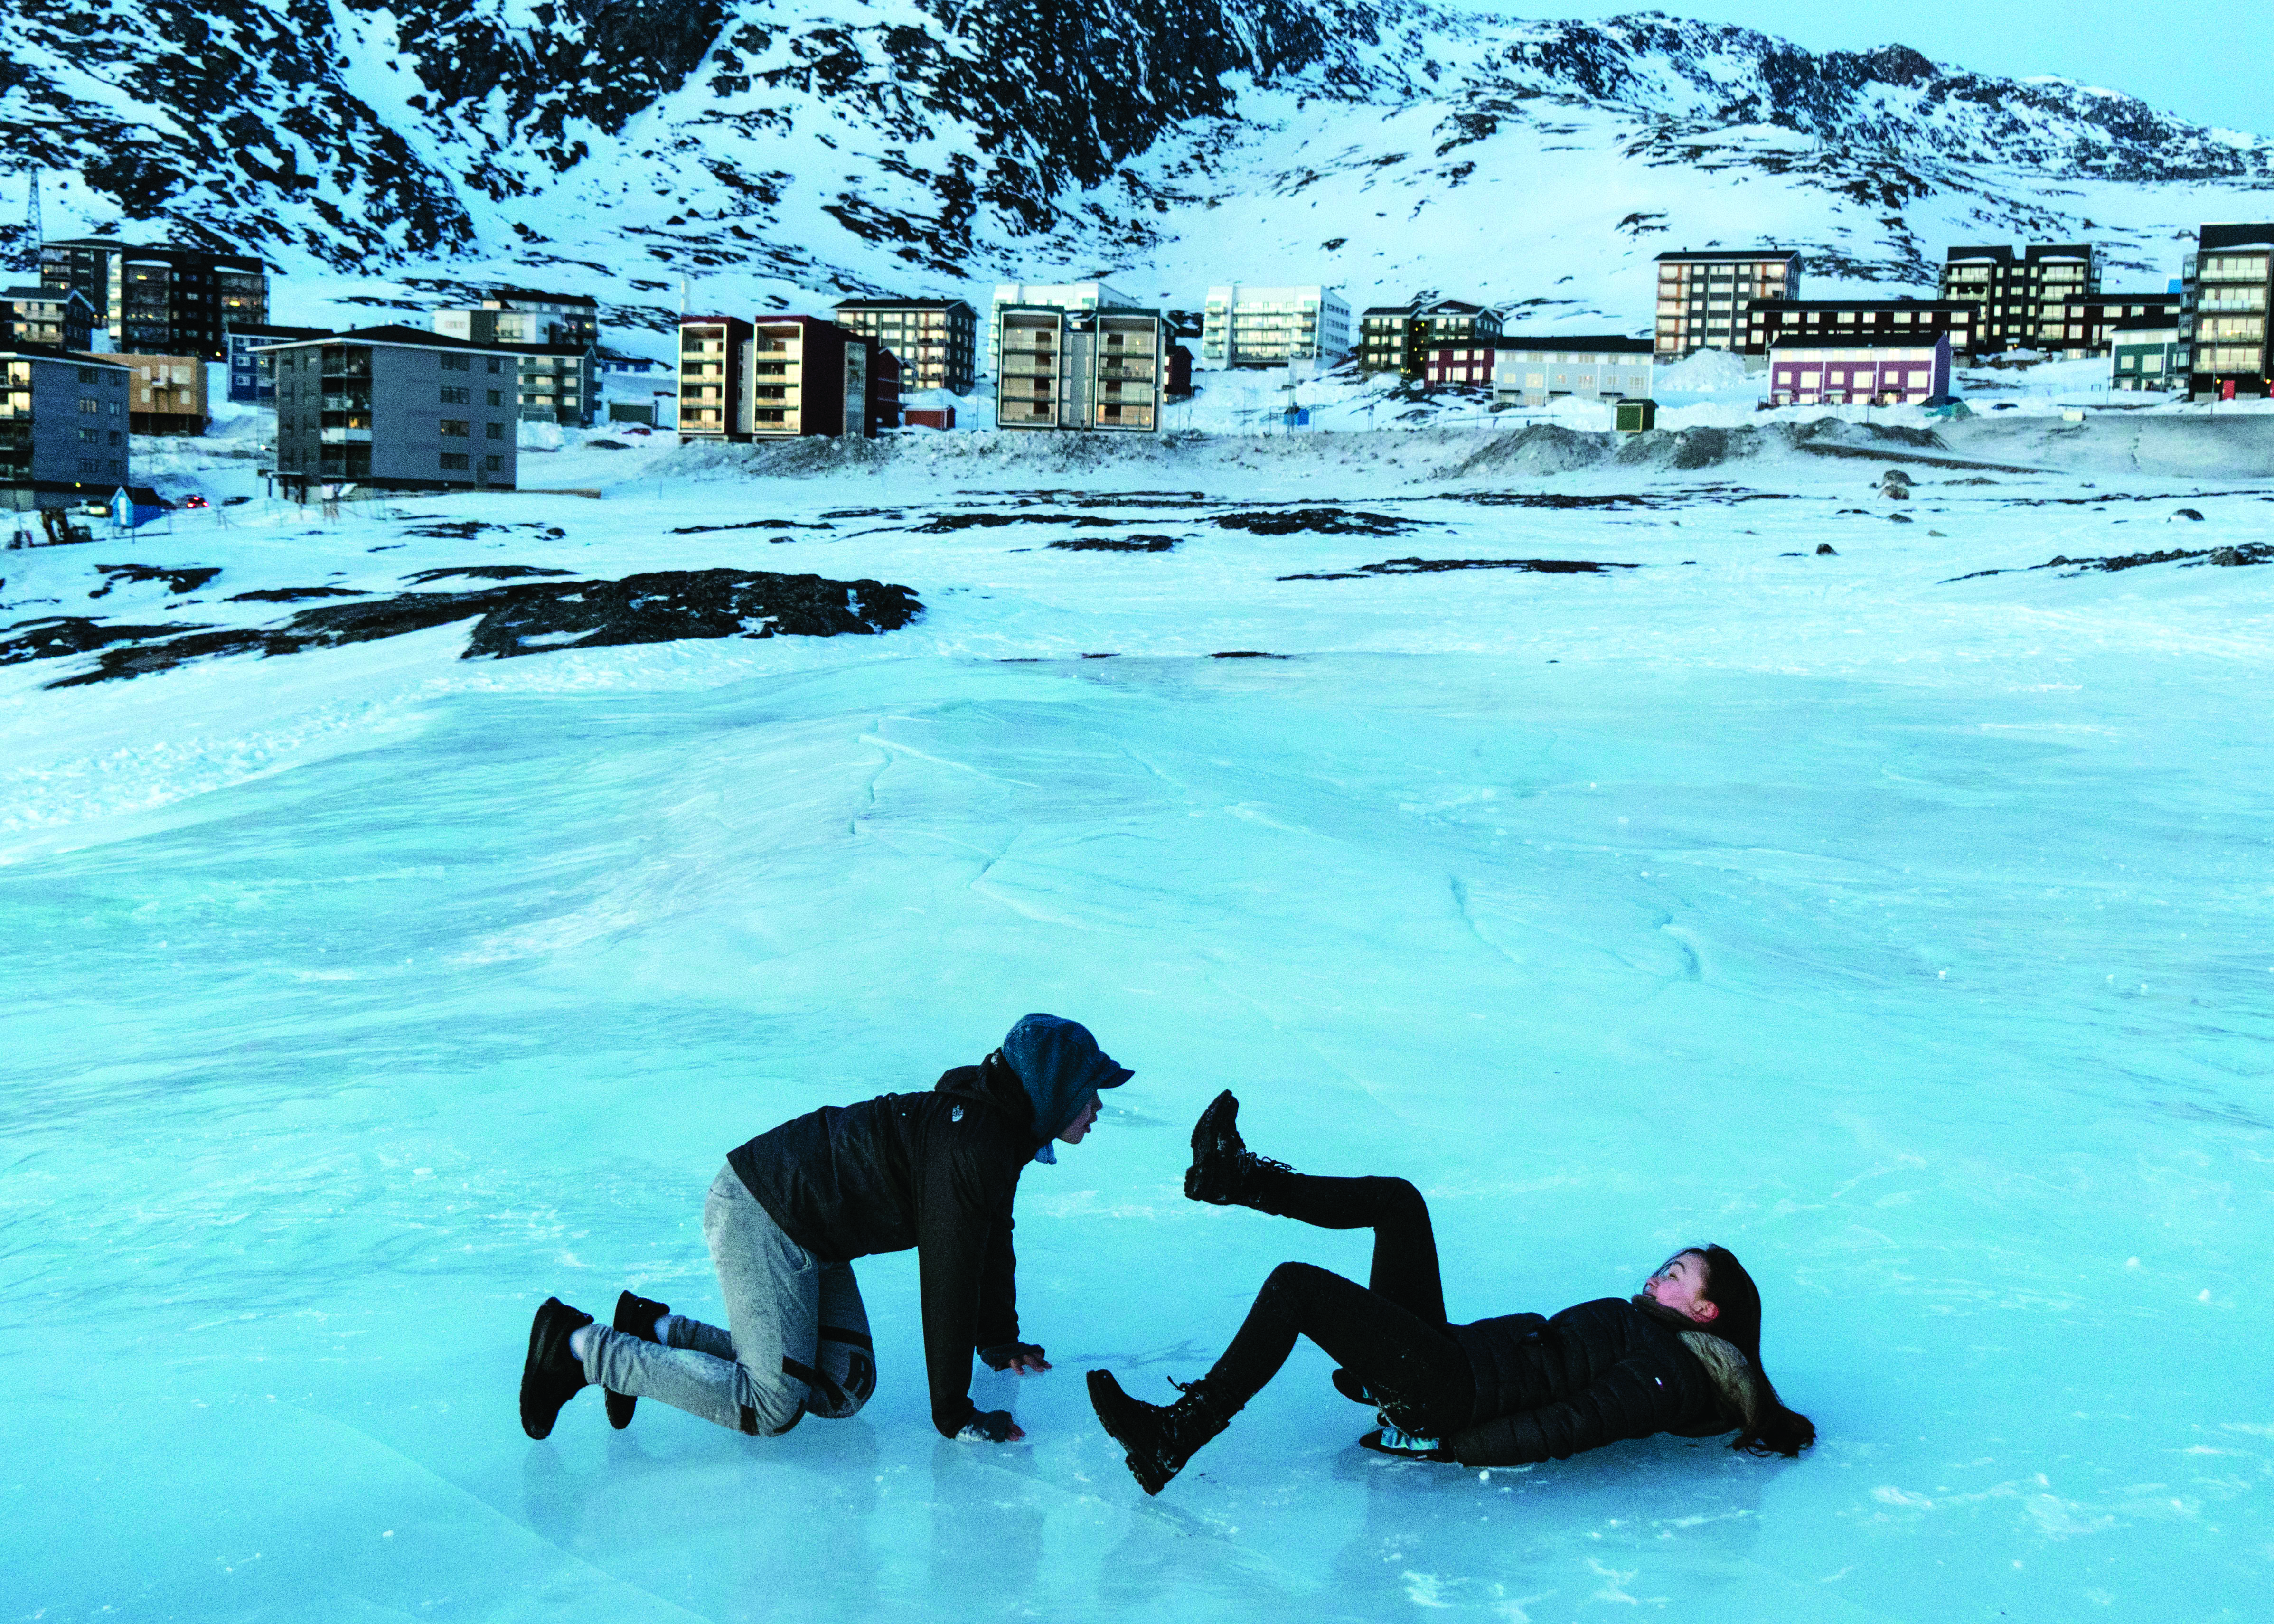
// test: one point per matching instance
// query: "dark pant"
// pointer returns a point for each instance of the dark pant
(1390, 1334)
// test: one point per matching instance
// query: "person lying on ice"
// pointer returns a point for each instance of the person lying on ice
(1684, 1356)
(791, 1209)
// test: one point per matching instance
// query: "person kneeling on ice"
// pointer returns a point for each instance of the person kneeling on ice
(1682, 1356)
(791, 1209)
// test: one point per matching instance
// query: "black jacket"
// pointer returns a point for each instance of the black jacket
(936, 1171)
(1593, 1374)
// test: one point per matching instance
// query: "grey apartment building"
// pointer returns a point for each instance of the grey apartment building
(2024, 297)
(63, 426)
(1703, 295)
(161, 300)
(61, 317)
(935, 341)
(2225, 292)
(524, 316)
(393, 409)
(1100, 370)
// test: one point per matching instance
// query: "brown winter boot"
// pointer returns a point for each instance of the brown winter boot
(1225, 1172)
(1160, 1440)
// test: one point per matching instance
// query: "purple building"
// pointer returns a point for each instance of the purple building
(1862, 374)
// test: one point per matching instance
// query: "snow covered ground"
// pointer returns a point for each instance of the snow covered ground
(1907, 934)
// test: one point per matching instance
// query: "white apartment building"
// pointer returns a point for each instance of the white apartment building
(1532, 371)
(1072, 297)
(1243, 326)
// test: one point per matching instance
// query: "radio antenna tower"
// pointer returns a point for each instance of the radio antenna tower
(34, 233)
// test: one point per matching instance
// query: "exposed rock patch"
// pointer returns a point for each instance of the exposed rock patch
(526, 618)
(1118, 543)
(179, 582)
(1422, 566)
(1314, 521)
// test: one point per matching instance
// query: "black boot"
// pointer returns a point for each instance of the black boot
(551, 1374)
(1346, 1383)
(1225, 1172)
(636, 1316)
(1160, 1440)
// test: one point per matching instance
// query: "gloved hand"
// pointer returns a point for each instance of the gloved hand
(1388, 1440)
(994, 1425)
(1020, 1357)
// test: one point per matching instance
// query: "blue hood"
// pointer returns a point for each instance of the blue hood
(1061, 1065)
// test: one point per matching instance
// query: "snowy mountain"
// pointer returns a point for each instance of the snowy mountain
(783, 149)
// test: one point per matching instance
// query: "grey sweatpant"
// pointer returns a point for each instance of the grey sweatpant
(796, 1336)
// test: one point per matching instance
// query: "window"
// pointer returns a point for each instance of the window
(456, 459)
(494, 364)
(494, 398)
(456, 394)
(89, 403)
(460, 364)
(494, 430)
(494, 462)
(90, 434)
(455, 428)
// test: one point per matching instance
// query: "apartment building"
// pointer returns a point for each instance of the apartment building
(62, 318)
(782, 377)
(808, 376)
(936, 342)
(160, 300)
(393, 409)
(1532, 370)
(2088, 320)
(2146, 353)
(1243, 326)
(2024, 297)
(2223, 317)
(1096, 369)
(1075, 298)
(1400, 338)
(63, 426)
(1870, 374)
(557, 382)
(1703, 295)
(166, 394)
(713, 350)
(1771, 322)
(250, 381)
(524, 316)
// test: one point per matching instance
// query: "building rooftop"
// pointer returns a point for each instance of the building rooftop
(901, 305)
(549, 298)
(1608, 341)
(2239, 234)
(57, 352)
(1901, 302)
(2147, 323)
(394, 334)
(1727, 253)
(1868, 341)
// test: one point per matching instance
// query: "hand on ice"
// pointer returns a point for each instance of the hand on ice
(995, 1425)
(1020, 1356)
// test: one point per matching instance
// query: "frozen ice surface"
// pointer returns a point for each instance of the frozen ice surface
(1907, 936)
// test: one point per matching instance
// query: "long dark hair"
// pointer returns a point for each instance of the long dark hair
(1775, 1429)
